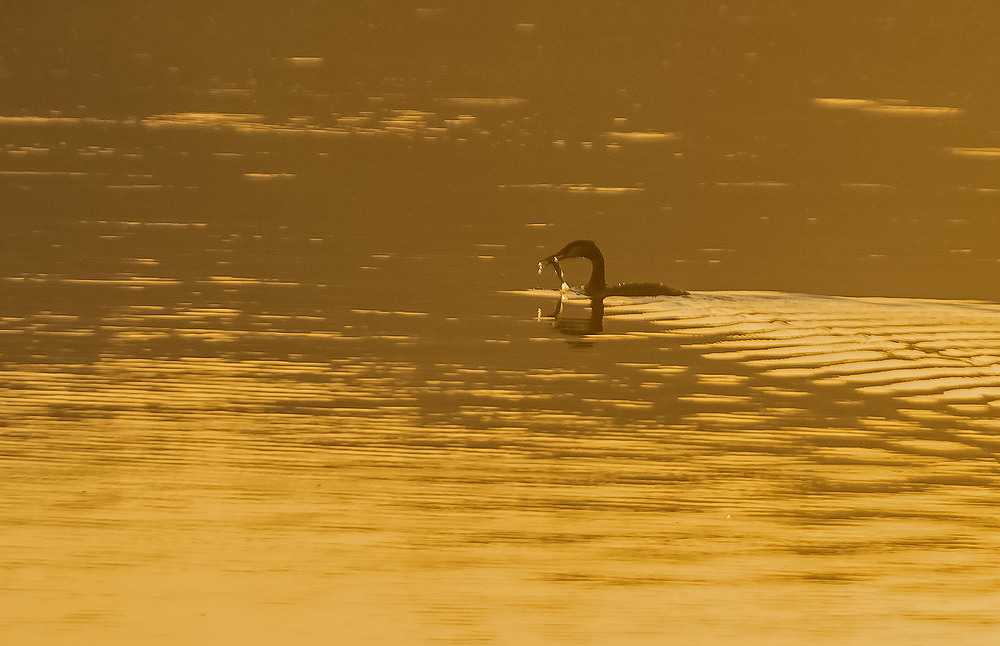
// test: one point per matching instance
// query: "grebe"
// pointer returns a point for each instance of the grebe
(596, 287)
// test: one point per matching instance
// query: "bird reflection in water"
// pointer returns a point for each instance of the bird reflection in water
(596, 289)
(574, 323)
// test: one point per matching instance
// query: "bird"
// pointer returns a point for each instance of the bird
(596, 287)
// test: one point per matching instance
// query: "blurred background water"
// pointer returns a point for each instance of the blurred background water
(276, 362)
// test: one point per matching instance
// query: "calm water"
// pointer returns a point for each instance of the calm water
(276, 363)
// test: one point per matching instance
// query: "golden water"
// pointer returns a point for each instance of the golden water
(276, 365)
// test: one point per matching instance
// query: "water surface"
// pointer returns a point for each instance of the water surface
(276, 364)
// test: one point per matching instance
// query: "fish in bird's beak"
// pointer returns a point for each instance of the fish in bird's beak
(551, 260)
(554, 261)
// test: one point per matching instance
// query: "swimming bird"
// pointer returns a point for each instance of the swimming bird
(596, 287)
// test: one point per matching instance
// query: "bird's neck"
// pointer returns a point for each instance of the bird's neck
(596, 283)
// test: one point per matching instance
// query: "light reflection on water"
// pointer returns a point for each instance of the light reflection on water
(199, 442)
(271, 368)
(788, 458)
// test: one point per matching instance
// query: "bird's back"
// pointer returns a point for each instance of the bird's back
(643, 289)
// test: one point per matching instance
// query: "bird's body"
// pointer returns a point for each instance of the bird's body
(596, 287)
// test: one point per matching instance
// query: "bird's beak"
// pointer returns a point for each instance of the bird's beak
(550, 259)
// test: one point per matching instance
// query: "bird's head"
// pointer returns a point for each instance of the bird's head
(575, 249)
